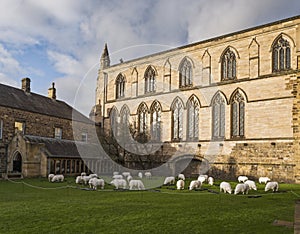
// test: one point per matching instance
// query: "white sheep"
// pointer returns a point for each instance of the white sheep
(126, 174)
(119, 183)
(251, 184)
(136, 184)
(148, 175)
(241, 188)
(202, 178)
(210, 180)
(272, 185)
(85, 179)
(195, 184)
(264, 180)
(242, 178)
(129, 178)
(115, 173)
(140, 175)
(95, 182)
(79, 180)
(58, 178)
(169, 180)
(50, 176)
(93, 176)
(181, 176)
(118, 177)
(225, 187)
(180, 184)
(83, 174)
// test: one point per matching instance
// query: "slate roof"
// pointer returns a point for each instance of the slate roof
(59, 148)
(32, 102)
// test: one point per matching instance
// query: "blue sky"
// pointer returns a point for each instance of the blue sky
(61, 40)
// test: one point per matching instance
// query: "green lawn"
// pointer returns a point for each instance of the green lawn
(27, 209)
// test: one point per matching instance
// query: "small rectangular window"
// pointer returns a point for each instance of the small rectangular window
(1, 128)
(58, 133)
(84, 137)
(19, 127)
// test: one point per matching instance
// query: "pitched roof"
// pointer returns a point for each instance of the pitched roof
(59, 148)
(32, 102)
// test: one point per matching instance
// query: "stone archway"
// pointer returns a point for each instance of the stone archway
(191, 166)
(17, 163)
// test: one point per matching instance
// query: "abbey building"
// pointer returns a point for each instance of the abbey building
(231, 102)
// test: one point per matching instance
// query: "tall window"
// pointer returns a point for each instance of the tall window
(228, 65)
(281, 55)
(193, 118)
(84, 137)
(124, 114)
(185, 73)
(218, 117)
(1, 128)
(120, 86)
(19, 127)
(58, 133)
(156, 121)
(142, 121)
(114, 122)
(177, 120)
(150, 84)
(237, 115)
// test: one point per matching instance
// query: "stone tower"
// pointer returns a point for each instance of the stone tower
(105, 60)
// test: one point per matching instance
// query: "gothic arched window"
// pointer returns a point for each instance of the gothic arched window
(185, 73)
(218, 117)
(150, 84)
(193, 108)
(281, 55)
(228, 65)
(124, 119)
(142, 118)
(156, 121)
(237, 116)
(120, 86)
(114, 122)
(177, 120)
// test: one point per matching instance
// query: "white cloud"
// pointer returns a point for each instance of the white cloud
(73, 33)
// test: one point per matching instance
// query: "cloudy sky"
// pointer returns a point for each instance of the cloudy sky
(61, 40)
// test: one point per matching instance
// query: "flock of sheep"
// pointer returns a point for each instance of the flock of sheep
(120, 181)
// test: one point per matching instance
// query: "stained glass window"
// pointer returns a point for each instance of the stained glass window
(177, 120)
(120, 86)
(281, 55)
(228, 65)
(193, 119)
(218, 116)
(156, 121)
(142, 118)
(150, 84)
(185, 73)
(237, 115)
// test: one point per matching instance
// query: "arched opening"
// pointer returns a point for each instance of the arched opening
(17, 163)
(191, 166)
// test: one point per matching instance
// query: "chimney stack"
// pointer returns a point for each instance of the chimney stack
(26, 85)
(52, 92)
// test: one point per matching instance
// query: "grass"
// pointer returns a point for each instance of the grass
(28, 209)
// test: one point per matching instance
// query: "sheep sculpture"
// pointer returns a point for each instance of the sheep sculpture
(119, 183)
(210, 180)
(241, 188)
(272, 185)
(169, 180)
(202, 178)
(225, 187)
(242, 179)
(136, 184)
(95, 183)
(264, 180)
(50, 176)
(57, 178)
(148, 175)
(195, 184)
(251, 184)
(140, 175)
(181, 176)
(180, 184)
